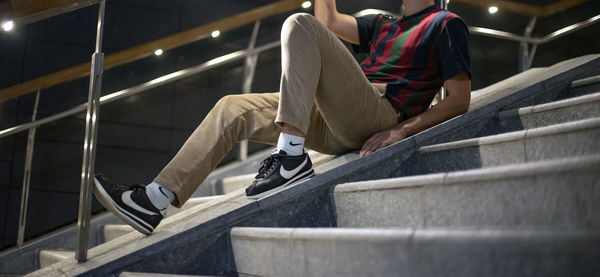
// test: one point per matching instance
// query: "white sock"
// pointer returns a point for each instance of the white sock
(159, 195)
(292, 145)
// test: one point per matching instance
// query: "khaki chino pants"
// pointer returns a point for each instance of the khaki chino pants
(324, 94)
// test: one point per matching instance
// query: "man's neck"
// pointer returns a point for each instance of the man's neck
(411, 7)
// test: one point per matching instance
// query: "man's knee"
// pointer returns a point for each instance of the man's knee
(228, 105)
(298, 22)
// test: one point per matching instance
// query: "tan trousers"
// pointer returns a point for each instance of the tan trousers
(324, 94)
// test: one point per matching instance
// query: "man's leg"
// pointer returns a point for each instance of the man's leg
(318, 69)
(233, 118)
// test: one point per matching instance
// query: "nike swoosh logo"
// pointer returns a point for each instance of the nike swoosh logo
(295, 144)
(163, 192)
(126, 198)
(287, 174)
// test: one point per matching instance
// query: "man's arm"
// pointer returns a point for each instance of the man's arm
(456, 103)
(343, 25)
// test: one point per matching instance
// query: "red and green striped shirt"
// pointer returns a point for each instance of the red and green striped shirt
(413, 55)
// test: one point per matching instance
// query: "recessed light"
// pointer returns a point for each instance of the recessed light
(158, 52)
(493, 9)
(306, 4)
(216, 33)
(8, 25)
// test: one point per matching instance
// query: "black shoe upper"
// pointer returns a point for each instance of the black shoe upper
(270, 173)
(131, 202)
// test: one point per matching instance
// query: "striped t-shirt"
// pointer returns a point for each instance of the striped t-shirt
(413, 55)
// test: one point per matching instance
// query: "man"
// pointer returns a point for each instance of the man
(327, 102)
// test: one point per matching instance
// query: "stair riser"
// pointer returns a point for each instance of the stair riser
(419, 254)
(548, 200)
(47, 258)
(533, 148)
(556, 116)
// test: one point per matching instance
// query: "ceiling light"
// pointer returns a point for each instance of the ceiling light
(493, 9)
(306, 4)
(216, 33)
(8, 25)
(158, 52)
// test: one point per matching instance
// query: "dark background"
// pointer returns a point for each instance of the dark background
(140, 134)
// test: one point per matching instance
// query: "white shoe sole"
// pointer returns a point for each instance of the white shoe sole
(297, 179)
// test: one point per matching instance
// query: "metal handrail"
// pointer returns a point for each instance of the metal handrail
(171, 77)
(244, 53)
(534, 40)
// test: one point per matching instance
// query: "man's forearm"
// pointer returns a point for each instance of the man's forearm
(325, 11)
(437, 114)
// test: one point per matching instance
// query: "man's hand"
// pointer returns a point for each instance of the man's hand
(456, 103)
(383, 139)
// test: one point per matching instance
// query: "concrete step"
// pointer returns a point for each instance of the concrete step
(192, 202)
(563, 193)
(586, 81)
(555, 141)
(144, 274)
(19, 261)
(409, 252)
(321, 163)
(49, 257)
(571, 109)
(584, 86)
(113, 231)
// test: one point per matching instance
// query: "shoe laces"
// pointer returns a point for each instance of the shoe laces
(128, 186)
(269, 165)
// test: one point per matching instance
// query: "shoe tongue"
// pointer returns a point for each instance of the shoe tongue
(279, 151)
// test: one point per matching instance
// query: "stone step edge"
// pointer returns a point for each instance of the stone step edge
(574, 101)
(390, 234)
(591, 162)
(555, 129)
(585, 81)
(144, 274)
(54, 255)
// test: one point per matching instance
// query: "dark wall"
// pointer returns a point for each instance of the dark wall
(140, 134)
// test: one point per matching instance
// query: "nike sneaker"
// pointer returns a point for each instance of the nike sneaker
(278, 171)
(128, 202)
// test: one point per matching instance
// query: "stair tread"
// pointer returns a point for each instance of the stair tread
(516, 135)
(490, 173)
(574, 101)
(413, 252)
(382, 234)
(585, 81)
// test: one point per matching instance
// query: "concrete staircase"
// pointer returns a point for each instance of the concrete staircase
(511, 188)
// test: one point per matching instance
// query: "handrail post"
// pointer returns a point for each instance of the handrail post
(248, 78)
(27, 176)
(89, 145)
(526, 55)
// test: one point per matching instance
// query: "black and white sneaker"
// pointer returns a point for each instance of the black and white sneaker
(280, 170)
(128, 202)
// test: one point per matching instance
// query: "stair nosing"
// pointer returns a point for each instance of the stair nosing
(585, 99)
(471, 175)
(554, 129)
(384, 234)
(585, 81)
